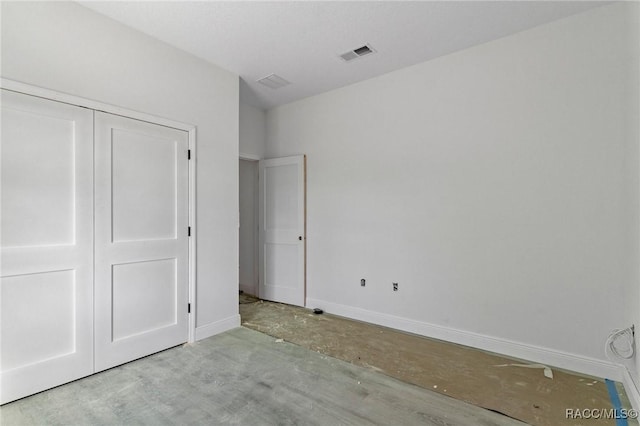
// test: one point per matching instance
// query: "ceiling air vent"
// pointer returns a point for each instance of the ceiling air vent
(357, 53)
(273, 81)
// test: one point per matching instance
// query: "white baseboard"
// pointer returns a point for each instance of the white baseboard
(536, 354)
(631, 388)
(217, 327)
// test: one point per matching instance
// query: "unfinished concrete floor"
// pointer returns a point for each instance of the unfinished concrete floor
(242, 377)
(464, 373)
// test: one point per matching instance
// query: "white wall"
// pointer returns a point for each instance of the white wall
(497, 185)
(68, 48)
(248, 226)
(634, 181)
(252, 131)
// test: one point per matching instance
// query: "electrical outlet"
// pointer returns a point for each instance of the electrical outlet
(362, 282)
(395, 286)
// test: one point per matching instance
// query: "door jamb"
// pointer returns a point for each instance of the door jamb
(27, 89)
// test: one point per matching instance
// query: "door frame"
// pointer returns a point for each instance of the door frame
(53, 95)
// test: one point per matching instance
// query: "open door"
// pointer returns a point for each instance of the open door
(282, 230)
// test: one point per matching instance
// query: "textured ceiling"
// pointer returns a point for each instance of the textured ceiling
(302, 41)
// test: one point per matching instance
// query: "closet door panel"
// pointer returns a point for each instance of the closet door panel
(141, 239)
(46, 275)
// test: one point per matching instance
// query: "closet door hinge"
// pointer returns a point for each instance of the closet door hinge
(188, 308)
(188, 154)
(188, 231)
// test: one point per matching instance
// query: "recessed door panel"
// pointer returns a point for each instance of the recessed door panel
(32, 335)
(38, 155)
(281, 264)
(46, 285)
(141, 238)
(282, 198)
(144, 186)
(155, 279)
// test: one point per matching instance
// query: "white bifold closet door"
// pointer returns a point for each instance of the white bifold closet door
(46, 289)
(94, 243)
(141, 241)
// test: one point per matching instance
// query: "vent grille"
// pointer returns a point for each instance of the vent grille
(357, 53)
(273, 81)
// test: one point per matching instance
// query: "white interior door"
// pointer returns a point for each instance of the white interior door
(46, 289)
(282, 230)
(141, 273)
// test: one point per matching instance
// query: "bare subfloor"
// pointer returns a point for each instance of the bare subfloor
(243, 377)
(467, 374)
